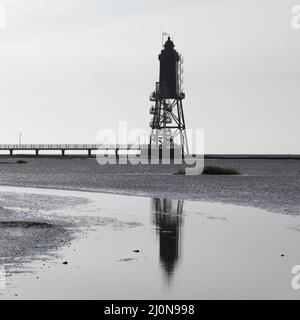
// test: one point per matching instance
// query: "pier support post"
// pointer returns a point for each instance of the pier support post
(36, 152)
(117, 155)
(89, 153)
(63, 152)
(11, 152)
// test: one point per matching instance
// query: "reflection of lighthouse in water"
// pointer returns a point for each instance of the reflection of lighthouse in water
(168, 220)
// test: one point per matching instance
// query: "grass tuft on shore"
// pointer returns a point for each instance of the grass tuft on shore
(21, 162)
(212, 170)
(219, 170)
(24, 224)
(180, 171)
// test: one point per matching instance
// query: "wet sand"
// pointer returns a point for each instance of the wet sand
(106, 246)
(273, 185)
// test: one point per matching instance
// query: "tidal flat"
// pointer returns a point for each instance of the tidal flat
(70, 228)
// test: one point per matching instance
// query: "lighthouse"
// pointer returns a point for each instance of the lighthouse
(168, 123)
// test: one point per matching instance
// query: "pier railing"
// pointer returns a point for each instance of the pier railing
(72, 146)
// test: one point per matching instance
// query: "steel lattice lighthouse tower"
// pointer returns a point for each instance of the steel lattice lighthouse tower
(168, 124)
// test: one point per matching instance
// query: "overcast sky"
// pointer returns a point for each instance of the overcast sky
(69, 68)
